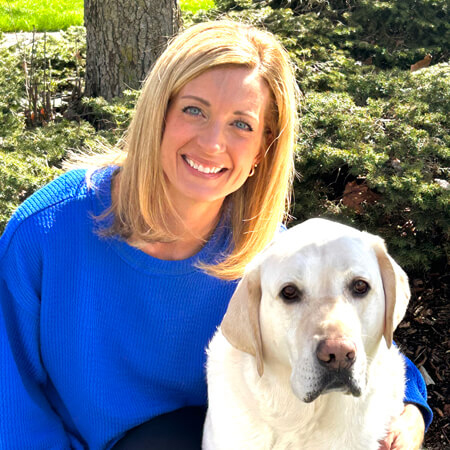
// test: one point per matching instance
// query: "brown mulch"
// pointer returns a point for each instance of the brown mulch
(423, 336)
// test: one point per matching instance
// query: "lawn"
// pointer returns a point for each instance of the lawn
(54, 15)
(195, 5)
(44, 15)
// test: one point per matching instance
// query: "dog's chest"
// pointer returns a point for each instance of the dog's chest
(317, 442)
(334, 425)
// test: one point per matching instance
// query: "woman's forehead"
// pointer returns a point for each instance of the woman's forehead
(240, 85)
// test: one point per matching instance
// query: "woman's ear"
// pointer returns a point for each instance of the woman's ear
(268, 140)
(260, 156)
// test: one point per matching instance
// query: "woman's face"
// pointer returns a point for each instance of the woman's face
(213, 135)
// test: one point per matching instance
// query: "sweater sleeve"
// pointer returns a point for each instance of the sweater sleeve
(27, 419)
(416, 391)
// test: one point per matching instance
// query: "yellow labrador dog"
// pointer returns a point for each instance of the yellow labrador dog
(303, 358)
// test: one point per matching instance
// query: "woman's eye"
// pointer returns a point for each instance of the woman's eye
(243, 125)
(192, 110)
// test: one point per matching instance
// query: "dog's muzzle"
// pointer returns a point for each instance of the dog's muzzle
(336, 358)
(337, 381)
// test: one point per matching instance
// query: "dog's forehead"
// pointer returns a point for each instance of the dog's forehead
(317, 232)
(319, 241)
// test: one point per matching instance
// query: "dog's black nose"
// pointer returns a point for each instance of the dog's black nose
(336, 354)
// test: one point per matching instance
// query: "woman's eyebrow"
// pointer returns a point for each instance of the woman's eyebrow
(199, 99)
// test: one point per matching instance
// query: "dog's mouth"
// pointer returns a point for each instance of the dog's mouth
(336, 381)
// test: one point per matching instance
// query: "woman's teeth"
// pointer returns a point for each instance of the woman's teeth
(200, 168)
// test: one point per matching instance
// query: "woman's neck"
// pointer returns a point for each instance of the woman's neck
(192, 222)
(193, 228)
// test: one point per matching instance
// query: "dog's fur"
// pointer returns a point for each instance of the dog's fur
(269, 385)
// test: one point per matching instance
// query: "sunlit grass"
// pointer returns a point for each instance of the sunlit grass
(54, 15)
(195, 5)
(43, 15)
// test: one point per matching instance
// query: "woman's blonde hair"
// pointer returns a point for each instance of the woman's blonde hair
(141, 204)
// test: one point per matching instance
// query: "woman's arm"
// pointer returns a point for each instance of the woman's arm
(407, 431)
(416, 391)
(27, 420)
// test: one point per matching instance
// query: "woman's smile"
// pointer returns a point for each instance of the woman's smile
(203, 168)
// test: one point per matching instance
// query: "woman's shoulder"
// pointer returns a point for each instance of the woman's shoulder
(68, 186)
(68, 189)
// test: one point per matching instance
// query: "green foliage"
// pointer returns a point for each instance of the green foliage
(111, 118)
(367, 124)
(12, 90)
(391, 33)
(396, 145)
(400, 32)
(31, 156)
(20, 176)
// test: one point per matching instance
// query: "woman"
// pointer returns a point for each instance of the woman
(113, 280)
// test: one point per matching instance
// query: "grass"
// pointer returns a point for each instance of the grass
(194, 5)
(55, 15)
(44, 15)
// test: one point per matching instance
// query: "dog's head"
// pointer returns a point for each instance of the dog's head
(318, 301)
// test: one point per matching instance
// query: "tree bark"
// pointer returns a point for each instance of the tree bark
(124, 38)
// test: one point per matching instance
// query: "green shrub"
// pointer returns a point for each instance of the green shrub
(397, 146)
(382, 132)
(20, 175)
(111, 118)
(400, 32)
(392, 33)
(31, 156)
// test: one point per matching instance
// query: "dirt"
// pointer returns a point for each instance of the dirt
(423, 336)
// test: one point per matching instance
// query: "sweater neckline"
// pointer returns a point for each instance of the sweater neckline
(213, 250)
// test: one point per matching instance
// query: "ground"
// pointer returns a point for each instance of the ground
(423, 336)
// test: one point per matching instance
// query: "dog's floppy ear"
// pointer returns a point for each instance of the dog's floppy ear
(396, 290)
(240, 324)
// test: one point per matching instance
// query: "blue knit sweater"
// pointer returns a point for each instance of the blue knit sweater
(96, 336)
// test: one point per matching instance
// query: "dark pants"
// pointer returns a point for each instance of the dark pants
(178, 430)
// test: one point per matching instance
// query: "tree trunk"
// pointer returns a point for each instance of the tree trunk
(124, 38)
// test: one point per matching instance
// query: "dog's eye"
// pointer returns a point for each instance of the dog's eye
(290, 294)
(360, 287)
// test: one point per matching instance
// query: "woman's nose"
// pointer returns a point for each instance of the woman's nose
(211, 138)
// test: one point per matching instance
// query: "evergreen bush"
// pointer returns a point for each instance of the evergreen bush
(395, 148)
(31, 151)
(373, 147)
